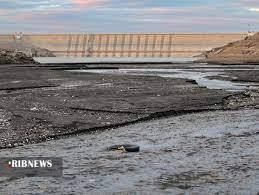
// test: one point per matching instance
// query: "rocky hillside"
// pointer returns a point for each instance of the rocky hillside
(244, 51)
(27, 48)
(14, 57)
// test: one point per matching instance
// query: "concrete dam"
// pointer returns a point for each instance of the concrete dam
(124, 45)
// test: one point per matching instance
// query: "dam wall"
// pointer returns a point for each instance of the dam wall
(124, 45)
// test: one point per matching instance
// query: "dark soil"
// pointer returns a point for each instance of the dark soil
(239, 76)
(37, 103)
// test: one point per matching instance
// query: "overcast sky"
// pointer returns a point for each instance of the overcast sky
(100, 16)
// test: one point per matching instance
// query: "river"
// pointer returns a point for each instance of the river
(203, 153)
(209, 152)
(201, 73)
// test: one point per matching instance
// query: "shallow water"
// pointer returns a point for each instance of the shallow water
(197, 74)
(209, 152)
(133, 60)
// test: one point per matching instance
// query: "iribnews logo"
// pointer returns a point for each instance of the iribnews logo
(31, 167)
(30, 163)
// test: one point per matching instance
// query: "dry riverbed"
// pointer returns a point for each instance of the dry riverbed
(38, 103)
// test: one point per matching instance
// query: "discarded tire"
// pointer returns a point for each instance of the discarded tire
(124, 148)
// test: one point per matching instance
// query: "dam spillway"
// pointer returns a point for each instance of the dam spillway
(125, 45)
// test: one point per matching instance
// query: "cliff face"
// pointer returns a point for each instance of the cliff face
(244, 51)
(14, 57)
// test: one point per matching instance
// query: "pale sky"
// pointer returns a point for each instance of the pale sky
(107, 16)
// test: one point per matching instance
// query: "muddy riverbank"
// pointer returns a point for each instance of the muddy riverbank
(38, 103)
(201, 153)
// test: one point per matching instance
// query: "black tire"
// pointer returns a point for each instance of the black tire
(127, 147)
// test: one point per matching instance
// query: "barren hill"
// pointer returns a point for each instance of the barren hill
(244, 51)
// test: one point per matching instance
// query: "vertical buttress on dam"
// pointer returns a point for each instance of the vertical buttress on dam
(125, 45)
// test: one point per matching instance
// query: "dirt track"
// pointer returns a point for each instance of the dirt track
(37, 104)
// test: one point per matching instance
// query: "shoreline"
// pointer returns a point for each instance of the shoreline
(234, 61)
(155, 116)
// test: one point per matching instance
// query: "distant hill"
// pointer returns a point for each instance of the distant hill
(239, 52)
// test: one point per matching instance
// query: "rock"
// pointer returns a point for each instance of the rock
(27, 48)
(241, 99)
(13, 57)
(40, 52)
